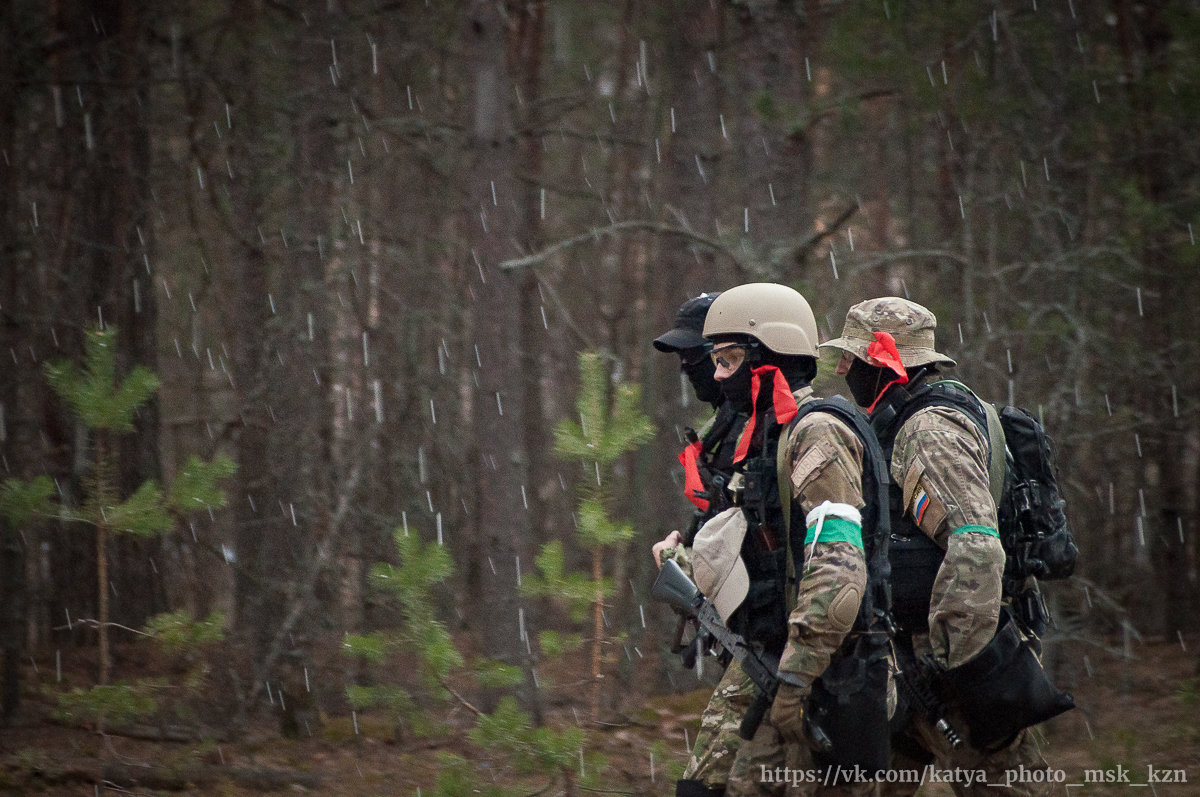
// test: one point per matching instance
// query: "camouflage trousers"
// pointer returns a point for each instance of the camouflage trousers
(717, 742)
(925, 750)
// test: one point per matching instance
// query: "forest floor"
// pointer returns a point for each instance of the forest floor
(1138, 719)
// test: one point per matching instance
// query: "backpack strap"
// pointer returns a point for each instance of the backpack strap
(991, 428)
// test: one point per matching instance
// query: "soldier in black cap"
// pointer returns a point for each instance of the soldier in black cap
(686, 340)
(708, 457)
(708, 466)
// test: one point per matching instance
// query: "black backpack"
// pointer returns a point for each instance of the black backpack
(1032, 511)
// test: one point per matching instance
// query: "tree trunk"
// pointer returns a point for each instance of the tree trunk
(499, 461)
(264, 554)
(1146, 40)
(597, 633)
(13, 593)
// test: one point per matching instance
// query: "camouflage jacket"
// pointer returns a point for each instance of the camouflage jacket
(940, 461)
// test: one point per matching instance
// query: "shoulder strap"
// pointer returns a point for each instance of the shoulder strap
(954, 394)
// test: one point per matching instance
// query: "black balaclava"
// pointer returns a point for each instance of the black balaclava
(736, 388)
(865, 381)
(700, 374)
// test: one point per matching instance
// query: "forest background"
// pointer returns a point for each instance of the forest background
(362, 245)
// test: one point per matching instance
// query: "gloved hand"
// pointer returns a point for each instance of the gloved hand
(787, 712)
(670, 541)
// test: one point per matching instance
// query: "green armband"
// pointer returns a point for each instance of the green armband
(977, 530)
(836, 529)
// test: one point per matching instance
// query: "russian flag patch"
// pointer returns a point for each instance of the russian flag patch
(920, 504)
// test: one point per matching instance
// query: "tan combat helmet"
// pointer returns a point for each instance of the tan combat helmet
(910, 324)
(775, 315)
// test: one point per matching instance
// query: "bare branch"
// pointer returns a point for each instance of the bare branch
(803, 251)
(635, 224)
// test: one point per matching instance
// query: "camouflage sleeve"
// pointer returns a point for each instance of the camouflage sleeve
(830, 591)
(826, 459)
(940, 461)
(965, 603)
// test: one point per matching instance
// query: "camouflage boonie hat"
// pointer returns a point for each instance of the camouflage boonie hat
(908, 322)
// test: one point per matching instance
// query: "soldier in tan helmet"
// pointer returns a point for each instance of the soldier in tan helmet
(764, 348)
(947, 558)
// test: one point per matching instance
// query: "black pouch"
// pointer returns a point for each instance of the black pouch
(914, 563)
(846, 716)
(761, 485)
(762, 617)
(1003, 688)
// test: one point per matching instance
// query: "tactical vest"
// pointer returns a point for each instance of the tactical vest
(914, 557)
(762, 617)
(773, 550)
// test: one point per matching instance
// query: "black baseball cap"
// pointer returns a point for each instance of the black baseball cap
(688, 332)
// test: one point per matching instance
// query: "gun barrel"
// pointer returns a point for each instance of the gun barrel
(951, 735)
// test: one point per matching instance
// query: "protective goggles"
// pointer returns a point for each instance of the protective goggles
(731, 355)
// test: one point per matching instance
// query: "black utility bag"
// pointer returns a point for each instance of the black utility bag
(1003, 688)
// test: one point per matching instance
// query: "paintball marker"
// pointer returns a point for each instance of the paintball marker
(674, 588)
(917, 682)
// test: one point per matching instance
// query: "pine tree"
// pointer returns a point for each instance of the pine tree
(507, 734)
(107, 406)
(610, 425)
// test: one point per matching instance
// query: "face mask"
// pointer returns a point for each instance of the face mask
(700, 374)
(865, 381)
(737, 387)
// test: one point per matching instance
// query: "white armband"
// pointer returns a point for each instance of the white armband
(830, 509)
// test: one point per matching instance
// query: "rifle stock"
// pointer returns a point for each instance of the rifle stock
(673, 587)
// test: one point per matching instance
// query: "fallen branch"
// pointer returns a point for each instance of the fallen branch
(205, 776)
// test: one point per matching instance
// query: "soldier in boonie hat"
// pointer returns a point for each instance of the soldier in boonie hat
(885, 342)
(910, 325)
(947, 581)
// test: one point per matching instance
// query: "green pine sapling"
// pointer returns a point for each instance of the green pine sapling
(106, 406)
(610, 425)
